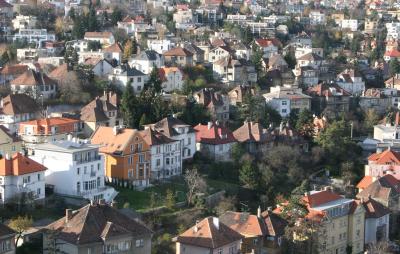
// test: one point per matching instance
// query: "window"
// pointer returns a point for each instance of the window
(38, 191)
(158, 149)
(77, 171)
(140, 146)
(284, 110)
(38, 177)
(158, 162)
(139, 243)
(189, 141)
(130, 160)
(26, 179)
(284, 103)
(219, 251)
(167, 161)
(98, 181)
(78, 187)
(139, 79)
(85, 170)
(141, 172)
(132, 148)
(98, 166)
(139, 88)
(141, 158)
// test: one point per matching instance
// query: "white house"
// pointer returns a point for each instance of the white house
(184, 19)
(34, 36)
(351, 81)
(393, 30)
(269, 47)
(160, 46)
(317, 18)
(218, 53)
(100, 67)
(122, 75)
(78, 45)
(351, 24)
(172, 78)
(113, 52)
(175, 129)
(21, 175)
(24, 22)
(146, 60)
(166, 155)
(105, 38)
(74, 168)
(376, 221)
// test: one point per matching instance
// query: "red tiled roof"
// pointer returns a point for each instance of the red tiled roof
(179, 51)
(385, 157)
(365, 182)
(19, 165)
(244, 223)
(393, 53)
(215, 135)
(321, 197)
(268, 42)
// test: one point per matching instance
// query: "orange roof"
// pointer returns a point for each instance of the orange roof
(386, 157)
(114, 48)
(213, 134)
(365, 182)
(50, 121)
(321, 197)
(14, 69)
(98, 34)
(268, 42)
(179, 51)
(19, 165)
(393, 53)
(244, 223)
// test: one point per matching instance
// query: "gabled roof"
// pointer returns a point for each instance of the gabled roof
(374, 209)
(382, 188)
(6, 131)
(105, 35)
(252, 132)
(365, 182)
(206, 234)
(248, 225)
(52, 121)
(96, 223)
(208, 97)
(149, 55)
(114, 48)
(60, 72)
(129, 71)
(179, 51)
(213, 134)
(18, 104)
(268, 42)
(19, 165)
(95, 111)
(152, 137)
(386, 157)
(392, 53)
(168, 126)
(16, 69)
(6, 231)
(310, 57)
(32, 78)
(325, 90)
(111, 142)
(275, 225)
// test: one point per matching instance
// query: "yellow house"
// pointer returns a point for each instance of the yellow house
(9, 144)
(342, 221)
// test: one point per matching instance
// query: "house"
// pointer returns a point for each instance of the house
(113, 53)
(393, 82)
(269, 47)
(105, 38)
(10, 142)
(98, 228)
(238, 94)
(276, 62)
(219, 52)
(376, 221)
(178, 56)
(317, 18)
(124, 74)
(7, 239)
(184, 18)
(6, 15)
(329, 98)
(166, 155)
(172, 79)
(310, 59)
(209, 235)
(351, 24)
(285, 99)
(382, 163)
(261, 233)
(35, 83)
(20, 175)
(75, 169)
(175, 129)
(100, 67)
(254, 137)
(47, 130)
(146, 60)
(217, 104)
(307, 75)
(10, 72)
(160, 46)
(376, 99)
(351, 81)
(341, 220)
(24, 22)
(102, 111)
(215, 141)
(127, 155)
(16, 108)
(36, 36)
(198, 53)
(134, 26)
(391, 54)
(229, 70)
(288, 136)
(385, 190)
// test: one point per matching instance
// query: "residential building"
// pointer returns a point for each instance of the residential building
(105, 38)
(376, 99)
(376, 222)
(127, 155)
(382, 163)
(310, 59)
(7, 240)
(351, 81)
(134, 26)
(20, 175)
(6, 15)
(229, 70)
(256, 139)
(24, 22)
(47, 130)
(172, 79)
(166, 157)
(178, 56)
(341, 221)
(146, 60)
(74, 168)
(37, 36)
(198, 53)
(351, 24)
(98, 228)
(10, 143)
(16, 108)
(124, 74)
(209, 235)
(175, 129)
(184, 18)
(215, 141)
(113, 53)
(287, 99)
(10, 72)
(238, 94)
(217, 104)
(317, 18)
(100, 67)
(219, 52)
(36, 84)
(269, 47)
(102, 111)
(160, 46)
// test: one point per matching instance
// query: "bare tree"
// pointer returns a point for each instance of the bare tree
(381, 247)
(195, 184)
(20, 224)
(225, 204)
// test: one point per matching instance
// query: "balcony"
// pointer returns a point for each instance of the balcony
(91, 159)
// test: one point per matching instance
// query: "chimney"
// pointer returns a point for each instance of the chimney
(216, 222)
(196, 226)
(307, 194)
(209, 125)
(397, 120)
(115, 130)
(259, 212)
(68, 215)
(7, 156)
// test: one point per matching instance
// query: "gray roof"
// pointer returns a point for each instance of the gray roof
(150, 55)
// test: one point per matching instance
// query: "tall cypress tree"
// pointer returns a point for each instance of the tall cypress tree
(128, 104)
(154, 80)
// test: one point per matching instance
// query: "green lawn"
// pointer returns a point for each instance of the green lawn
(140, 200)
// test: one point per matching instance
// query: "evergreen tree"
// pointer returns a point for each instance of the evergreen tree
(92, 19)
(394, 66)
(290, 60)
(248, 36)
(144, 120)
(248, 175)
(135, 46)
(305, 123)
(116, 16)
(154, 80)
(256, 58)
(79, 27)
(72, 14)
(128, 106)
